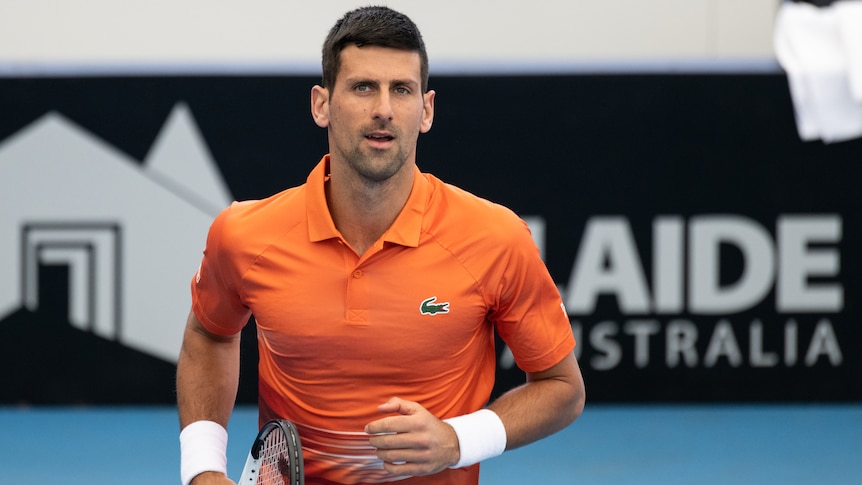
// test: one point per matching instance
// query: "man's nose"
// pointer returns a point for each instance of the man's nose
(383, 107)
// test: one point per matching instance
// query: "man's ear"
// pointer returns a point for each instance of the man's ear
(428, 111)
(320, 106)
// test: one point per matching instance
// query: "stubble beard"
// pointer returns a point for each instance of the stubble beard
(375, 166)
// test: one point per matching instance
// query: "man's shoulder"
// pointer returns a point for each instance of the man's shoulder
(455, 203)
(249, 223)
(279, 205)
(457, 217)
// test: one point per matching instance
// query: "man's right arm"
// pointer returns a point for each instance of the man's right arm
(207, 381)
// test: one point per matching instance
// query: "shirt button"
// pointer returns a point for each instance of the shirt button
(357, 273)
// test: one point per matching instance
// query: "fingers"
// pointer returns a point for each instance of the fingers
(395, 424)
(398, 405)
(413, 441)
(411, 468)
(415, 453)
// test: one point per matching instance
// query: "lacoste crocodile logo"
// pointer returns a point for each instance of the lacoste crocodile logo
(428, 307)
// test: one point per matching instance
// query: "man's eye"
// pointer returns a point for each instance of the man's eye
(402, 90)
(362, 88)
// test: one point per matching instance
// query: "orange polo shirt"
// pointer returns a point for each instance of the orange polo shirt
(414, 317)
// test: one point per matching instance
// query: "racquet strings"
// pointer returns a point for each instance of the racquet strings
(274, 460)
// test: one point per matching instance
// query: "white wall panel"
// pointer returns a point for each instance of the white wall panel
(285, 36)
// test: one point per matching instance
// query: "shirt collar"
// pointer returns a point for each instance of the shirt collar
(404, 231)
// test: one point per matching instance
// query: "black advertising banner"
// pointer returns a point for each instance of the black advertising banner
(703, 252)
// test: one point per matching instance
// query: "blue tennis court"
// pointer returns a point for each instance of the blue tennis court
(609, 444)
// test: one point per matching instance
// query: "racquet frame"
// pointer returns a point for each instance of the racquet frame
(294, 473)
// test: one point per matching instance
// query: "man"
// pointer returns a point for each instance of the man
(376, 290)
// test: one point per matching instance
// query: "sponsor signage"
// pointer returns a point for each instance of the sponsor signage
(702, 251)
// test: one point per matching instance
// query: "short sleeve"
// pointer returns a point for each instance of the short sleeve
(217, 286)
(529, 313)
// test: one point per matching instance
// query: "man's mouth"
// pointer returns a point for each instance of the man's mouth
(379, 137)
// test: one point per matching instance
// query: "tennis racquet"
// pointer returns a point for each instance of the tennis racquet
(275, 457)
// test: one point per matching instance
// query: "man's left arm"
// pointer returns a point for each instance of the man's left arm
(414, 442)
(548, 402)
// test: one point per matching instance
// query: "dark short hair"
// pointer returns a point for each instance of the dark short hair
(377, 26)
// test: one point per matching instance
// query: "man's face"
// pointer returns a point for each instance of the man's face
(375, 111)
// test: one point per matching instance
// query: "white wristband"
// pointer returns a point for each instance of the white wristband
(481, 435)
(203, 448)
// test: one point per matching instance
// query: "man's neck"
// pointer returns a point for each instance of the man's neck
(363, 211)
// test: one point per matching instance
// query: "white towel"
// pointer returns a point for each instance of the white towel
(811, 49)
(849, 15)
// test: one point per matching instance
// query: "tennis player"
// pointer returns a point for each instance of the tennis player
(376, 289)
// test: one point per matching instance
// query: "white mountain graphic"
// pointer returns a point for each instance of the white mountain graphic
(131, 234)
